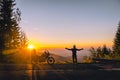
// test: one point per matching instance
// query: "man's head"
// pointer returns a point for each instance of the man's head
(74, 46)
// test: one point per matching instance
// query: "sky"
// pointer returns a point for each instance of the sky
(63, 23)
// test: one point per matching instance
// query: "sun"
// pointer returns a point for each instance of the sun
(31, 46)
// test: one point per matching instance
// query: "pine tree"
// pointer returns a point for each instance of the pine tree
(116, 46)
(9, 27)
(10, 32)
(23, 39)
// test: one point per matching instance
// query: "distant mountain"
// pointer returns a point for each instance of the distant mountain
(66, 56)
(60, 59)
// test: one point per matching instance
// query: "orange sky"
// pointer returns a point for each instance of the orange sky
(89, 44)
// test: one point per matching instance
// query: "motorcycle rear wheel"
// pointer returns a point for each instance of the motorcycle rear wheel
(50, 60)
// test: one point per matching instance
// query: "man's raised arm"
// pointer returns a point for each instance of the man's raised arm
(79, 49)
(68, 49)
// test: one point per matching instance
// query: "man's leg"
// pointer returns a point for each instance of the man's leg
(75, 58)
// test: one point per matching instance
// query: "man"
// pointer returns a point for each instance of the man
(74, 51)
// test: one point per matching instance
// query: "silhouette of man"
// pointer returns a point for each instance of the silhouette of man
(74, 51)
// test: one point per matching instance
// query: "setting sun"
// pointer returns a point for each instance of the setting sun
(31, 46)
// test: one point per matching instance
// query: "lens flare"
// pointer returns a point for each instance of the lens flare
(31, 46)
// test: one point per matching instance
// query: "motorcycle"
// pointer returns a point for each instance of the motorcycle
(45, 57)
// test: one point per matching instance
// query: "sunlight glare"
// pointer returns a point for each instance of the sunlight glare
(31, 46)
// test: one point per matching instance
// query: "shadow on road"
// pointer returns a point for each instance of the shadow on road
(55, 72)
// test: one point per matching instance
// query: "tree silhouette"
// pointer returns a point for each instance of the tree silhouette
(11, 36)
(23, 39)
(100, 52)
(116, 46)
(105, 50)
